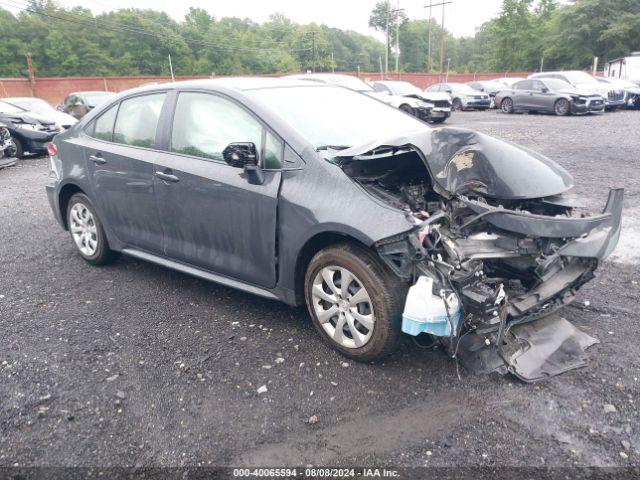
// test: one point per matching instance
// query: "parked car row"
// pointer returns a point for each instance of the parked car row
(32, 122)
(568, 93)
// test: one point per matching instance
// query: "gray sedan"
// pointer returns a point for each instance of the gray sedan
(314, 194)
(548, 95)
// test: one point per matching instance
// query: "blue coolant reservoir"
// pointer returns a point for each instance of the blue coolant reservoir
(425, 312)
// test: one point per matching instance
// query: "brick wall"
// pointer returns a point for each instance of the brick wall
(55, 89)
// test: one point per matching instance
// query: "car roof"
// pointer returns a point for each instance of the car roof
(84, 92)
(10, 99)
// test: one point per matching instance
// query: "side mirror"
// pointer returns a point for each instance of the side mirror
(60, 108)
(449, 90)
(544, 90)
(244, 155)
(241, 154)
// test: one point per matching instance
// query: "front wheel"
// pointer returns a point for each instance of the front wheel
(17, 147)
(355, 302)
(562, 107)
(408, 109)
(456, 105)
(87, 232)
(437, 120)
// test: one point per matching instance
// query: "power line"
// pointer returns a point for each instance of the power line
(122, 28)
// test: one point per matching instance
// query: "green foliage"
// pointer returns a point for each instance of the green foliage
(72, 41)
(566, 35)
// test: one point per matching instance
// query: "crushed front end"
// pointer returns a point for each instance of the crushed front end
(495, 270)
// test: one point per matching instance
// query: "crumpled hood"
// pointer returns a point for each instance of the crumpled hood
(462, 161)
(28, 117)
(395, 100)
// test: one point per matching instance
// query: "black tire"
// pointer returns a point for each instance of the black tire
(408, 109)
(19, 149)
(103, 254)
(506, 105)
(438, 120)
(562, 107)
(456, 105)
(386, 291)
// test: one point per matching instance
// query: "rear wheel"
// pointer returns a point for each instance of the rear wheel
(355, 302)
(18, 148)
(562, 107)
(506, 105)
(437, 120)
(87, 232)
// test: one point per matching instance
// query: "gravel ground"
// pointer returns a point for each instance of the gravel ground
(136, 365)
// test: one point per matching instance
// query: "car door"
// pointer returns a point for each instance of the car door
(523, 94)
(120, 153)
(212, 216)
(542, 98)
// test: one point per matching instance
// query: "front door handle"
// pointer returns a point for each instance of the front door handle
(167, 177)
(97, 159)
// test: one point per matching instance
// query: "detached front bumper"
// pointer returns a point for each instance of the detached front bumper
(438, 113)
(590, 106)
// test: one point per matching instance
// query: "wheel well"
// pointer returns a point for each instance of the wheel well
(63, 200)
(313, 246)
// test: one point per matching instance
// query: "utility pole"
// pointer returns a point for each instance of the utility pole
(386, 51)
(381, 71)
(313, 50)
(32, 75)
(429, 60)
(173, 78)
(541, 63)
(397, 37)
(333, 65)
(429, 63)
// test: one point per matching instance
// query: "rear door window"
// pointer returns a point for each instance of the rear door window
(137, 120)
(524, 85)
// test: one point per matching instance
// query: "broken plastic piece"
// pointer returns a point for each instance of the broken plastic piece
(425, 312)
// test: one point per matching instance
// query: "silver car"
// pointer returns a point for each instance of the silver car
(463, 97)
(548, 95)
(613, 97)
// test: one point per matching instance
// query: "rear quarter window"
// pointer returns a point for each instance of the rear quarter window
(103, 126)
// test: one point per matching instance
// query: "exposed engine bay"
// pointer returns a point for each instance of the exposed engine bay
(497, 240)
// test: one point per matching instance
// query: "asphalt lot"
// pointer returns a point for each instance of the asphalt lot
(137, 365)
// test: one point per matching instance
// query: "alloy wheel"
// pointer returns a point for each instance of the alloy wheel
(343, 307)
(507, 105)
(83, 229)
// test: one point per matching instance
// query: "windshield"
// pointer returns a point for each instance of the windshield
(8, 108)
(334, 116)
(33, 105)
(404, 88)
(347, 81)
(96, 98)
(556, 84)
(461, 87)
(579, 78)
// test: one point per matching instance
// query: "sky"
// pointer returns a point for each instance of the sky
(462, 17)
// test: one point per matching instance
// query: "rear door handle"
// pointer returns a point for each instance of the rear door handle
(97, 159)
(167, 177)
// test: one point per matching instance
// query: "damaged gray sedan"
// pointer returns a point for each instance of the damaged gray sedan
(310, 193)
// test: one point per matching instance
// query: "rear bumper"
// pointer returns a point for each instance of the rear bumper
(53, 197)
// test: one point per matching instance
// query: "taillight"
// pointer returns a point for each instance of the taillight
(52, 150)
